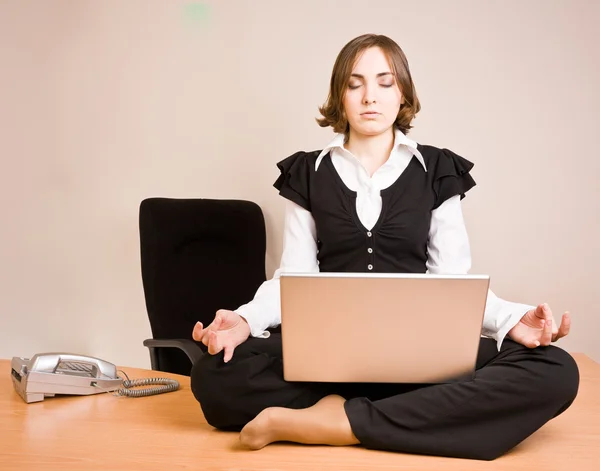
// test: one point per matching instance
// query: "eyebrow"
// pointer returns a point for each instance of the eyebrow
(380, 74)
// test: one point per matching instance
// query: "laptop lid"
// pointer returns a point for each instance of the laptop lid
(388, 328)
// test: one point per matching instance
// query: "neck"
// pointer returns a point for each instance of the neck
(371, 151)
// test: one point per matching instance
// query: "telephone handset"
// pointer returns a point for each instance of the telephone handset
(47, 374)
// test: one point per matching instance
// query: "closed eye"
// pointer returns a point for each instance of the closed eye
(384, 85)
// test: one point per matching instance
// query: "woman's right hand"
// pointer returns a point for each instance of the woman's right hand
(226, 332)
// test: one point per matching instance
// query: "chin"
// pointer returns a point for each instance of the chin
(374, 130)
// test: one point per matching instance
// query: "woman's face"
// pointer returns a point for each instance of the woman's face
(373, 98)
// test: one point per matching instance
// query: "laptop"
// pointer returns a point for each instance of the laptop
(381, 327)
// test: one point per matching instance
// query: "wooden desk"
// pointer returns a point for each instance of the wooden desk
(168, 432)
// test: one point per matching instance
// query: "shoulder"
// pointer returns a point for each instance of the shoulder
(438, 153)
(294, 179)
(450, 173)
(299, 160)
(444, 161)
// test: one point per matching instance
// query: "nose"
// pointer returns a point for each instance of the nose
(369, 95)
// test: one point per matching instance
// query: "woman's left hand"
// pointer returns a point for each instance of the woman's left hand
(538, 328)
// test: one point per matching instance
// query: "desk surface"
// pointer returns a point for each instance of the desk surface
(168, 432)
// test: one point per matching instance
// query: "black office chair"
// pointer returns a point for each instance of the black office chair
(197, 256)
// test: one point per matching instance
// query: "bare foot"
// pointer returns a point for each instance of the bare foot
(259, 432)
(325, 423)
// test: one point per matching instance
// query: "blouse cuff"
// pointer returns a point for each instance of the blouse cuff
(517, 311)
(256, 328)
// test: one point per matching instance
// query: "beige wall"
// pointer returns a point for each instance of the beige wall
(104, 103)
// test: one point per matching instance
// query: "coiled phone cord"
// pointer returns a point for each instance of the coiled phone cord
(166, 385)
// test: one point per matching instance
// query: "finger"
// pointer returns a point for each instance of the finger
(565, 327)
(204, 335)
(214, 346)
(210, 343)
(546, 337)
(548, 312)
(533, 343)
(228, 353)
(212, 329)
(197, 332)
(214, 325)
(539, 312)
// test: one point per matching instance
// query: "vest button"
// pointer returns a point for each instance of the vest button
(369, 234)
(370, 250)
(369, 266)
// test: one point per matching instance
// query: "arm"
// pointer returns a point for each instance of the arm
(450, 253)
(299, 255)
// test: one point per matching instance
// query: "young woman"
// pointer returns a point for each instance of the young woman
(375, 201)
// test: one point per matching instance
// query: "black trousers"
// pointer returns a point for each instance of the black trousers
(514, 392)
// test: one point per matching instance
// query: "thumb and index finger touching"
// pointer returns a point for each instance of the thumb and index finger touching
(210, 337)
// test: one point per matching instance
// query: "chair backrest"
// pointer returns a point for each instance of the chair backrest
(198, 256)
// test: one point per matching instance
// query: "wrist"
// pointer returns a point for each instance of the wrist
(244, 327)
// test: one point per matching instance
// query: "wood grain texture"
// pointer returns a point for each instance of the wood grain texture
(168, 432)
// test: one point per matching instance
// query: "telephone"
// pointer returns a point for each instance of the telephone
(47, 374)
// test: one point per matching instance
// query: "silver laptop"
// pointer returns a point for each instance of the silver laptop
(381, 328)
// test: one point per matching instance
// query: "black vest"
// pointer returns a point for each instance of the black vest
(398, 241)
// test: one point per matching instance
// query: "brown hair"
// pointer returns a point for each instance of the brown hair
(333, 109)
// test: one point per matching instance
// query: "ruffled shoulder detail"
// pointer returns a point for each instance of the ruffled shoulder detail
(294, 181)
(451, 176)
